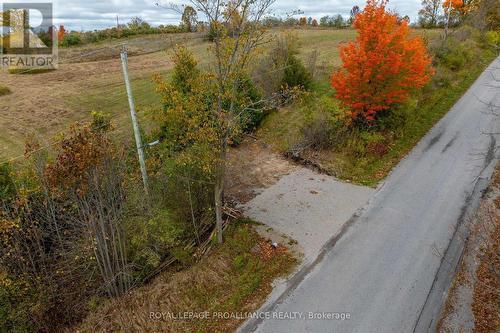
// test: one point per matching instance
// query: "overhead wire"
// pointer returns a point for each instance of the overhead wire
(113, 88)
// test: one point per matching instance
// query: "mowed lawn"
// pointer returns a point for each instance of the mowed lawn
(88, 79)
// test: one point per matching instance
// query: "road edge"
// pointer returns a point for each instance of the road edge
(433, 307)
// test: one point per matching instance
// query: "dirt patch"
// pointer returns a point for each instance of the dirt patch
(252, 167)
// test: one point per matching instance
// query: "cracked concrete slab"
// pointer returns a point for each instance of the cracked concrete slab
(308, 207)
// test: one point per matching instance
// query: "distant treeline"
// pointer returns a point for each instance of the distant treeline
(334, 21)
(136, 26)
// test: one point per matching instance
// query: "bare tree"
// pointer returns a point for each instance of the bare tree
(429, 13)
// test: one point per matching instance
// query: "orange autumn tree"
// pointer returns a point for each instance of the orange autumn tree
(459, 7)
(382, 66)
(60, 33)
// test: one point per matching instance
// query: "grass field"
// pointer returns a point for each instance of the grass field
(90, 79)
(352, 159)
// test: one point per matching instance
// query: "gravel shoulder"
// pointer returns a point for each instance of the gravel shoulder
(458, 314)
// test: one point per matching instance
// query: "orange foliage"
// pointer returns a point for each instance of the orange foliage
(60, 33)
(383, 66)
(303, 21)
(81, 150)
(459, 6)
(315, 23)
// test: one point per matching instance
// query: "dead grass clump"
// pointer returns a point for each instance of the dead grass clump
(486, 306)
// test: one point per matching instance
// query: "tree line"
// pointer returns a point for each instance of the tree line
(484, 14)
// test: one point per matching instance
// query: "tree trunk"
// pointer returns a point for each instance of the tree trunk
(218, 211)
(219, 190)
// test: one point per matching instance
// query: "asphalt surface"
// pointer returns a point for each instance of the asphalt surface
(389, 267)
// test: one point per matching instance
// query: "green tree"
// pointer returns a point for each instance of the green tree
(137, 24)
(232, 54)
(338, 22)
(324, 21)
(189, 19)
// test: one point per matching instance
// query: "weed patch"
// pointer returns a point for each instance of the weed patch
(234, 278)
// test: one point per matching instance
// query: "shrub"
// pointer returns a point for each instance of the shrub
(7, 186)
(74, 199)
(152, 236)
(493, 40)
(324, 125)
(17, 299)
(71, 39)
(281, 68)
(123, 31)
(442, 78)
(318, 132)
(382, 67)
(252, 118)
(466, 32)
(453, 54)
(296, 74)
(4, 91)
(362, 142)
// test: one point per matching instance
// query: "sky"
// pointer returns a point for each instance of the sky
(98, 14)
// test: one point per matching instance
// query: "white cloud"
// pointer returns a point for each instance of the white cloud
(95, 14)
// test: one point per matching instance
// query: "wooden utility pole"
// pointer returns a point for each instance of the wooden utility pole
(133, 115)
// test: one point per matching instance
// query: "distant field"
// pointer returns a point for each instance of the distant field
(89, 78)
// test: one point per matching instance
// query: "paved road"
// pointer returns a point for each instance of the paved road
(389, 267)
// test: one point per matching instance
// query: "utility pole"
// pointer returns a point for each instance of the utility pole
(133, 115)
(117, 22)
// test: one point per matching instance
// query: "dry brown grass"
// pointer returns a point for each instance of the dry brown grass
(236, 277)
(475, 292)
(486, 305)
(88, 79)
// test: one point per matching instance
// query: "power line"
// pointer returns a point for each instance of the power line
(114, 86)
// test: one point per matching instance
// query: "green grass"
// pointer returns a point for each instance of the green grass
(431, 107)
(4, 91)
(29, 71)
(350, 159)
